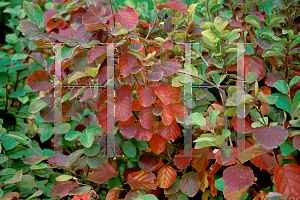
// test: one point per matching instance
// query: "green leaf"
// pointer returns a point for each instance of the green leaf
(286, 148)
(92, 71)
(282, 102)
(73, 157)
(17, 67)
(281, 86)
(273, 53)
(218, 22)
(226, 153)
(2, 4)
(205, 140)
(46, 136)
(63, 178)
(128, 148)
(4, 79)
(19, 56)
(30, 30)
(72, 135)
(213, 117)
(34, 12)
(294, 81)
(36, 194)
(87, 139)
(61, 128)
(67, 51)
(16, 178)
(36, 105)
(11, 38)
(196, 119)
(220, 185)
(200, 94)
(255, 24)
(276, 20)
(150, 197)
(92, 151)
(251, 77)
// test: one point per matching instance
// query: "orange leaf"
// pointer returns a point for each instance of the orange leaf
(182, 160)
(142, 180)
(287, 181)
(163, 92)
(166, 176)
(236, 195)
(157, 144)
(199, 159)
(169, 132)
(113, 194)
(167, 115)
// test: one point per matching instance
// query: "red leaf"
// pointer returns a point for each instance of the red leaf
(190, 184)
(264, 109)
(263, 161)
(128, 131)
(146, 25)
(168, 44)
(174, 94)
(49, 14)
(296, 142)
(199, 159)
(157, 144)
(287, 181)
(113, 194)
(238, 177)
(236, 122)
(143, 134)
(102, 173)
(234, 195)
(142, 180)
(181, 160)
(30, 30)
(163, 92)
(166, 176)
(127, 17)
(123, 109)
(92, 22)
(178, 109)
(145, 95)
(167, 115)
(175, 5)
(95, 52)
(270, 137)
(154, 48)
(147, 118)
(136, 105)
(62, 189)
(254, 64)
(218, 157)
(157, 110)
(169, 132)
(126, 63)
(39, 80)
(86, 196)
(129, 121)
(148, 161)
(168, 68)
(273, 77)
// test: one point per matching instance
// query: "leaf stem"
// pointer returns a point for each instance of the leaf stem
(153, 22)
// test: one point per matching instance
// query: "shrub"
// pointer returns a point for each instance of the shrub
(125, 124)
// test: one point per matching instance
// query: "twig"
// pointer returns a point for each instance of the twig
(222, 92)
(153, 22)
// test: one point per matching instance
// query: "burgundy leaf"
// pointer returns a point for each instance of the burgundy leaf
(270, 137)
(39, 80)
(127, 17)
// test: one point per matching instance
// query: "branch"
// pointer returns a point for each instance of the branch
(222, 93)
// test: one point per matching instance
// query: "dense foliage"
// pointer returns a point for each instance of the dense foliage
(124, 109)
